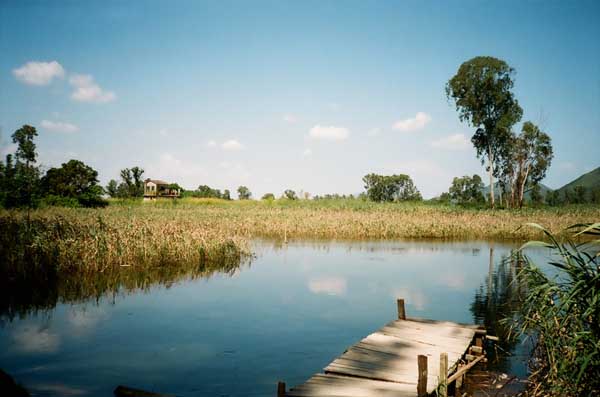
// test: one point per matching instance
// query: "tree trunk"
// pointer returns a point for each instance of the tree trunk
(491, 163)
(522, 188)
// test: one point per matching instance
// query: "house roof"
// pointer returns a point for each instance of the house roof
(157, 181)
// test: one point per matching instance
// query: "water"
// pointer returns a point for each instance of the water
(284, 316)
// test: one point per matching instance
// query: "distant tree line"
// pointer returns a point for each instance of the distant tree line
(22, 184)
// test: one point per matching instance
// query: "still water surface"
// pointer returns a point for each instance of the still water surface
(284, 316)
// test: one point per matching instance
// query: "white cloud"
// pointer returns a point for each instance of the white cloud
(307, 153)
(59, 126)
(329, 133)
(452, 142)
(39, 73)
(232, 145)
(418, 122)
(211, 144)
(36, 340)
(163, 132)
(289, 118)
(86, 90)
(373, 132)
(328, 285)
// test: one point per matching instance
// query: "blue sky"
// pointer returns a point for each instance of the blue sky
(307, 95)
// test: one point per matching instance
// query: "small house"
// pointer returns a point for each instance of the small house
(155, 188)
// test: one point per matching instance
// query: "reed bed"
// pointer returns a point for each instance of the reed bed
(356, 219)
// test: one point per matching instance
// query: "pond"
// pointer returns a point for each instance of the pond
(283, 316)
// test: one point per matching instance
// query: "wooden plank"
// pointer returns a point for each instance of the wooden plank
(383, 363)
(422, 376)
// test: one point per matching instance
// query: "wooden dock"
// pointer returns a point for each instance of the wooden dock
(403, 358)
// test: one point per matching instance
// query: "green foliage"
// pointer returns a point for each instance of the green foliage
(226, 195)
(390, 188)
(268, 196)
(467, 190)
(290, 194)
(536, 195)
(244, 193)
(73, 180)
(112, 189)
(562, 315)
(524, 163)
(19, 177)
(553, 198)
(132, 183)
(482, 93)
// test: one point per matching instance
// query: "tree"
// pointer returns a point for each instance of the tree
(536, 194)
(467, 189)
(580, 193)
(226, 195)
(390, 188)
(112, 188)
(553, 198)
(73, 180)
(20, 179)
(290, 194)
(524, 163)
(132, 181)
(481, 90)
(268, 196)
(244, 193)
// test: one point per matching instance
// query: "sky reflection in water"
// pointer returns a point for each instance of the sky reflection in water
(283, 317)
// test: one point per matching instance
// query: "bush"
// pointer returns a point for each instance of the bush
(562, 316)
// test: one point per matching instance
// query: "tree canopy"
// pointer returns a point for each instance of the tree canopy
(244, 193)
(467, 190)
(390, 188)
(73, 180)
(482, 93)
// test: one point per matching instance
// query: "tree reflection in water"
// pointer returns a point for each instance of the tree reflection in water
(498, 298)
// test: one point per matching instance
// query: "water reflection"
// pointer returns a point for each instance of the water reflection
(498, 297)
(235, 331)
(43, 291)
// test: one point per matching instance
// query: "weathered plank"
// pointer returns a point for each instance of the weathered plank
(385, 362)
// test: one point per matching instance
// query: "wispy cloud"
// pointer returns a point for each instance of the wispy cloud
(232, 145)
(211, 144)
(307, 153)
(59, 126)
(290, 118)
(39, 73)
(329, 133)
(86, 90)
(452, 142)
(416, 123)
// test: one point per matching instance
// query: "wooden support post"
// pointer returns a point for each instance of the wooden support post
(479, 341)
(281, 389)
(443, 376)
(401, 311)
(422, 381)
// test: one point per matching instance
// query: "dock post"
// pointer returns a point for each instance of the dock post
(281, 389)
(422, 381)
(443, 376)
(401, 311)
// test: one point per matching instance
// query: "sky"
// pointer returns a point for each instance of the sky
(308, 95)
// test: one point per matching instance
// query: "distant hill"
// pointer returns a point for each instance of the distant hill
(590, 181)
